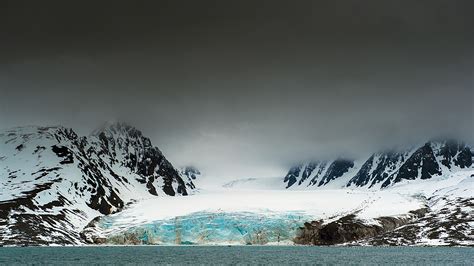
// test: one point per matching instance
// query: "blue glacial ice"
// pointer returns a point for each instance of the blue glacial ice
(203, 228)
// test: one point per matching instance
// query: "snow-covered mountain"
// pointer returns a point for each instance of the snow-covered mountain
(438, 174)
(115, 187)
(319, 173)
(191, 174)
(383, 169)
(54, 182)
(449, 212)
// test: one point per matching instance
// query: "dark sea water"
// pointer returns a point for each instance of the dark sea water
(204, 255)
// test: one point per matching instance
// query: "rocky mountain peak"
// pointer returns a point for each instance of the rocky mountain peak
(453, 153)
(318, 173)
(383, 169)
(191, 171)
(62, 178)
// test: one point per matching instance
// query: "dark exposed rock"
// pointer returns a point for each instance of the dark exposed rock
(348, 229)
(89, 233)
(422, 159)
(104, 204)
(309, 234)
(451, 225)
(292, 175)
(455, 152)
(307, 172)
(335, 170)
(31, 228)
(320, 168)
(464, 158)
(65, 153)
(321, 172)
(448, 151)
(191, 172)
(39, 148)
(363, 176)
(377, 168)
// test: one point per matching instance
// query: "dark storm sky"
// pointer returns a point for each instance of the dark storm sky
(243, 87)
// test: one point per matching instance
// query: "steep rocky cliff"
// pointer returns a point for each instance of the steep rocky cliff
(54, 182)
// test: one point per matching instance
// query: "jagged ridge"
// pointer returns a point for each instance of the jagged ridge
(383, 169)
(54, 182)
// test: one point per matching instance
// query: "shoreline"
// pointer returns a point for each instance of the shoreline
(236, 245)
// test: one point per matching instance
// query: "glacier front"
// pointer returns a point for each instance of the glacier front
(241, 216)
(204, 228)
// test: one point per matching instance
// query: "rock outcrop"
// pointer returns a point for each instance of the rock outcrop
(349, 229)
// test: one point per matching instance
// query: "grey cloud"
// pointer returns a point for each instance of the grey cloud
(244, 88)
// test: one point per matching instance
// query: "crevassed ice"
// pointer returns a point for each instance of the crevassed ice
(211, 228)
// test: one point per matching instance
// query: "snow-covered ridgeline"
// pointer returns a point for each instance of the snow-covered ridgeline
(383, 169)
(55, 182)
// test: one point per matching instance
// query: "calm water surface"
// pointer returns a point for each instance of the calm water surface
(145, 255)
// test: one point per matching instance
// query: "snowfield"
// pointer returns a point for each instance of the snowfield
(244, 215)
(234, 213)
(322, 204)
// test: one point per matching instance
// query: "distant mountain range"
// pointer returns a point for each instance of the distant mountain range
(383, 169)
(439, 173)
(55, 184)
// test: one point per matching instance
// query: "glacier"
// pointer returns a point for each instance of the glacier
(205, 228)
(234, 216)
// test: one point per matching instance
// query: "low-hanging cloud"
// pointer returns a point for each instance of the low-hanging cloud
(246, 89)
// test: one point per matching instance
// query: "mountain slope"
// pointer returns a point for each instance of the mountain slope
(55, 182)
(384, 169)
(319, 173)
(450, 213)
(191, 174)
